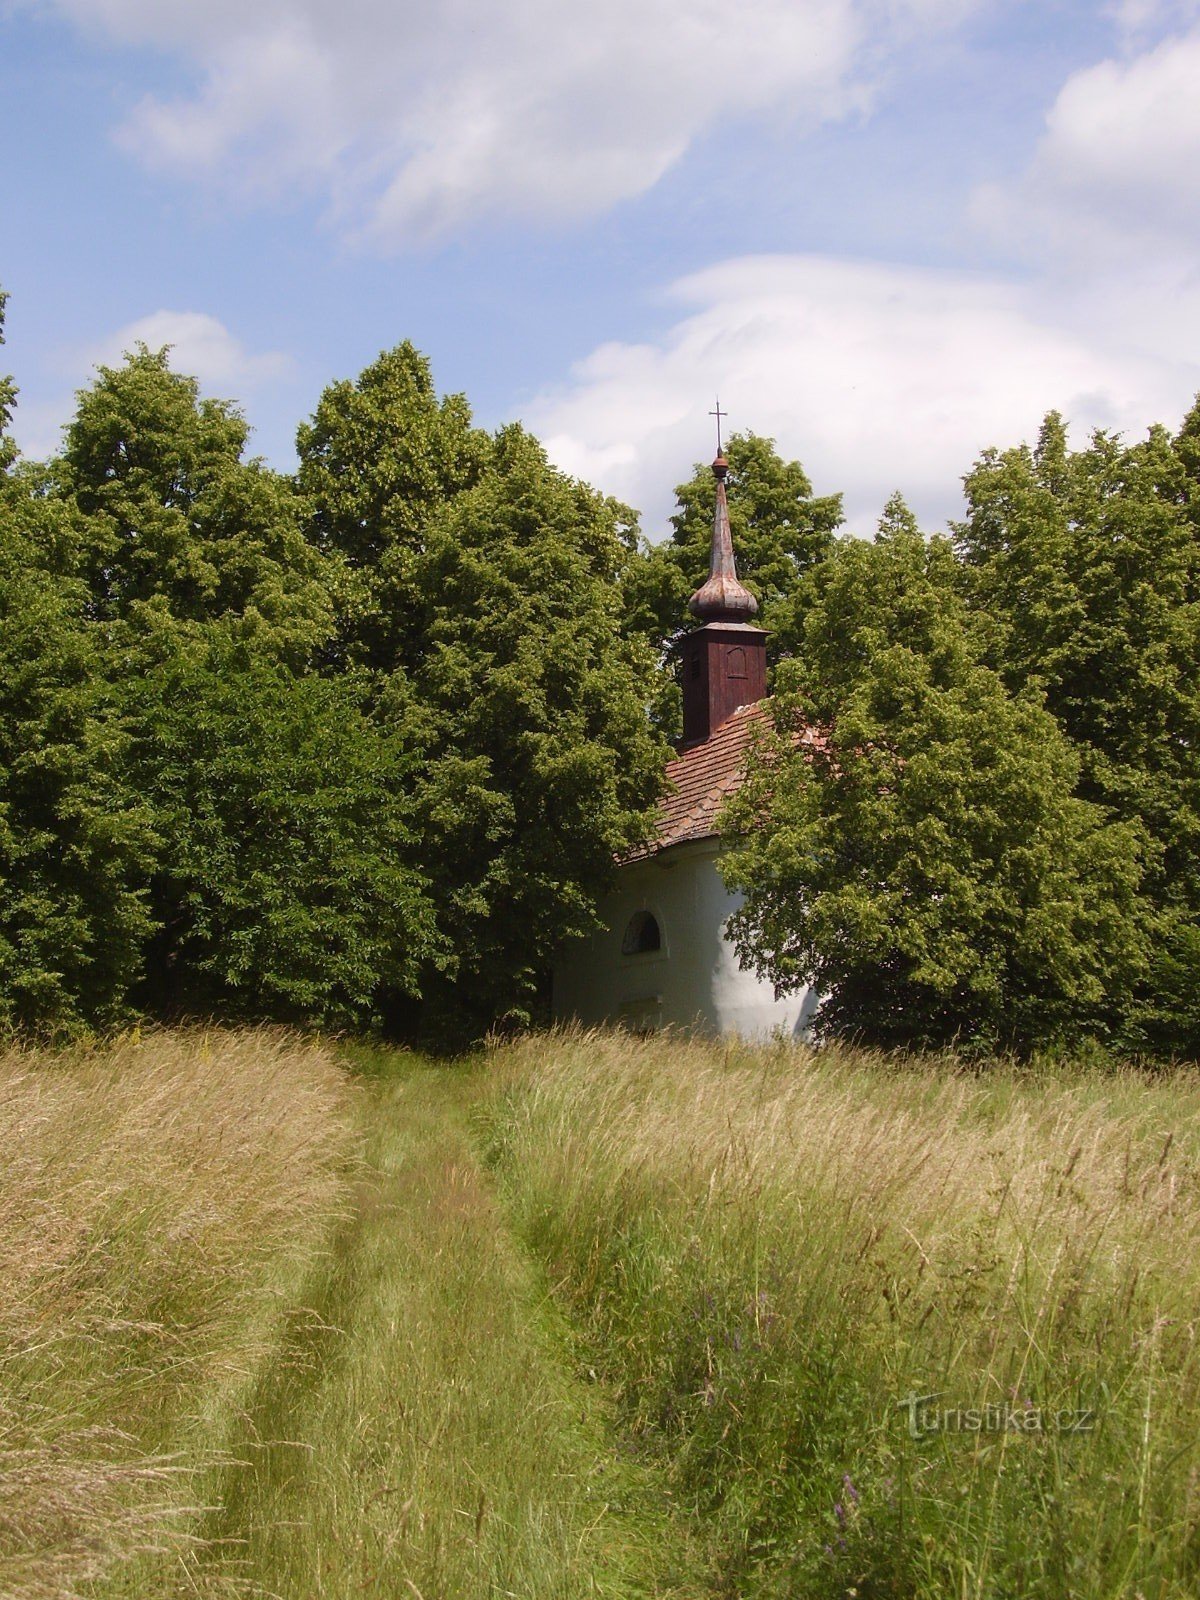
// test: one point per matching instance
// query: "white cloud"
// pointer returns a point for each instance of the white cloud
(877, 377)
(418, 116)
(201, 346)
(1135, 17)
(38, 425)
(1117, 171)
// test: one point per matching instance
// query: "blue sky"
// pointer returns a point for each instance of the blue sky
(888, 232)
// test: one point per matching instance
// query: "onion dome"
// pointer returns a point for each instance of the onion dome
(721, 598)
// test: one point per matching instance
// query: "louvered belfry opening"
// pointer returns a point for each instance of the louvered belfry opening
(725, 660)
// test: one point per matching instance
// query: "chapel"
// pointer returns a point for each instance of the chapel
(662, 957)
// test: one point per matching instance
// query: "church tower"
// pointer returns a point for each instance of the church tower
(661, 955)
(725, 660)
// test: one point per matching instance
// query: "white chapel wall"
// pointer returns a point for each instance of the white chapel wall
(694, 980)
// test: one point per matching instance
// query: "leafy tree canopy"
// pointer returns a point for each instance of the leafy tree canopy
(380, 457)
(75, 843)
(1088, 564)
(529, 709)
(288, 885)
(319, 748)
(926, 864)
(1083, 570)
(173, 514)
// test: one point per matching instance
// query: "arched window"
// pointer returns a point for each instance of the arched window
(735, 662)
(642, 935)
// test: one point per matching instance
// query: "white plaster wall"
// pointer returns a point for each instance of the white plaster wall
(694, 981)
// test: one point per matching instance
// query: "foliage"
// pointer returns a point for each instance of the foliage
(372, 738)
(1083, 569)
(75, 843)
(529, 709)
(385, 732)
(171, 511)
(485, 599)
(379, 458)
(924, 862)
(287, 885)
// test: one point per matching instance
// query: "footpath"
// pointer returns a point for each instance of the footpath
(425, 1432)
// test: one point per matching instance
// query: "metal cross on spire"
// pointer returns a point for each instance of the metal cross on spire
(718, 413)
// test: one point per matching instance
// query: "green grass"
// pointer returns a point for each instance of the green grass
(766, 1251)
(592, 1316)
(425, 1433)
(264, 1331)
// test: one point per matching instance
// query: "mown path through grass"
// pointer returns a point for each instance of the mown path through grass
(425, 1433)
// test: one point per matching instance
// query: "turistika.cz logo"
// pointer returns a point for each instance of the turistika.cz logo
(926, 1417)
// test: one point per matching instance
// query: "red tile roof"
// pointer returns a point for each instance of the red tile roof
(701, 780)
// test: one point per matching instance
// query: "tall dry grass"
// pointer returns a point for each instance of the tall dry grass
(769, 1250)
(161, 1201)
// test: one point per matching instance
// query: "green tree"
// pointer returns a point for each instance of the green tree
(8, 401)
(1083, 570)
(287, 885)
(529, 709)
(281, 882)
(924, 860)
(430, 803)
(73, 843)
(486, 601)
(380, 457)
(174, 517)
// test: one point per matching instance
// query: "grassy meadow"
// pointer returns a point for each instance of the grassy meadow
(766, 1252)
(264, 1330)
(161, 1205)
(589, 1315)
(428, 1434)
